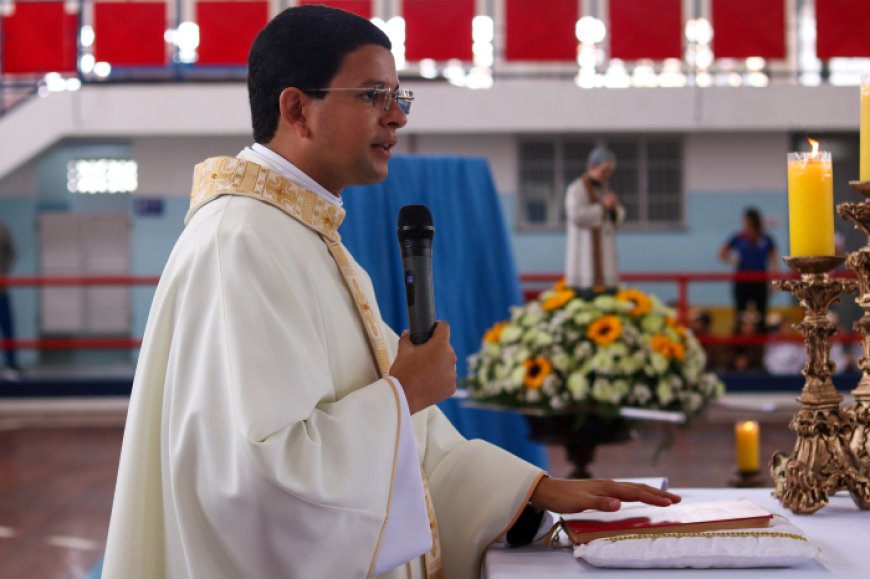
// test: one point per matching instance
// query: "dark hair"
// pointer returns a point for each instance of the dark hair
(302, 47)
(753, 216)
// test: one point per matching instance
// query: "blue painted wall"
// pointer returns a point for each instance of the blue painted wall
(153, 239)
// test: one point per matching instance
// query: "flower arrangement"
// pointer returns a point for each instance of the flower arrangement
(564, 353)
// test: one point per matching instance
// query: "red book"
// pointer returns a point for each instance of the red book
(680, 518)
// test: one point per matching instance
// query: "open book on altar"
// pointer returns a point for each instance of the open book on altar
(680, 518)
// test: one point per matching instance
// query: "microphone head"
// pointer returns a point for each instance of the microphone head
(415, 222)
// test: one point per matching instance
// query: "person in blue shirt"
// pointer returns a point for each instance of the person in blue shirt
(751, 250)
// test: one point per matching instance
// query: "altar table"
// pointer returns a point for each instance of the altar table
(840, 530)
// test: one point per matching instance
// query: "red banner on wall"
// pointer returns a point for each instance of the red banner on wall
(39, 37)
(646, 29)
(130, 33)
(842, 27)
(438, 29)
(541, 31)
(227, 28)
(747, 28)
(359, 7)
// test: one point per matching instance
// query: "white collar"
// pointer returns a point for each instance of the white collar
(281, 165)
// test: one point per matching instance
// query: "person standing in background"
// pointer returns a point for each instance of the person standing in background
(593, 214)
(7, 327)
(751, 250)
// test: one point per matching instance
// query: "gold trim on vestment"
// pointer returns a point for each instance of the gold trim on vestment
(219, 176)
(232, 176)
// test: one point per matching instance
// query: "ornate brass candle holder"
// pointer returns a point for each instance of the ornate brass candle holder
(859, 412)
(820, 461)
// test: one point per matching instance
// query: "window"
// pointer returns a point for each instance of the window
(102, 176)
(648, 179)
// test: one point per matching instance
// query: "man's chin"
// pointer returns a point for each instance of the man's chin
(372, 177)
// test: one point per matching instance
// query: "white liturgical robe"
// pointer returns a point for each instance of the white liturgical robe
(590, 258)
(261, 439)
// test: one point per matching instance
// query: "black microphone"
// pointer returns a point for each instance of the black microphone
(415, 240)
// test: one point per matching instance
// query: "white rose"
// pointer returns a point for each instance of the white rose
(529, 336)
(652, 324)
(578, 385)
(510, 333)
(584, 318)
(620, 389)
(491, 349)
(518, 374)
(603, 391)
(561, 361)
(664, 392)
(659, 363)
(603, 362)
(609, 304)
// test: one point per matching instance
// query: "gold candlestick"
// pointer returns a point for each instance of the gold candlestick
(818, 464)
(859, 412)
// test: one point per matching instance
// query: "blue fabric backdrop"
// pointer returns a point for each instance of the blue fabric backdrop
(473, 268)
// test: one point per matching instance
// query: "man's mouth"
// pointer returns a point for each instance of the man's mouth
(386, 146)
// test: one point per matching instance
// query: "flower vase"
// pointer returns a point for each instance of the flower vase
(580, 435)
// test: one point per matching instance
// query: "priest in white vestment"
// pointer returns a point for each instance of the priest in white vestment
(277, 427)
(593, 214)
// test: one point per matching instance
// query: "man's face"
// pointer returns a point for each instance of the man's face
(351, 139)
(602, 171)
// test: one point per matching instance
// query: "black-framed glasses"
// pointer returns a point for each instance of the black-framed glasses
(379, 96)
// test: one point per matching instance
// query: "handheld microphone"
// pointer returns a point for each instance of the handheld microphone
(415, 240)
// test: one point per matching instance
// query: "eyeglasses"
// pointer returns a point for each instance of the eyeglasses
(379, 96)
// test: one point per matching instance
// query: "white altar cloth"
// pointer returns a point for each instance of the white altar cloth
(840, 530)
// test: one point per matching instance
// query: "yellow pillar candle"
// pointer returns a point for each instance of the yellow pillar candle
(811, 203)
(865, 129)
(748, 445)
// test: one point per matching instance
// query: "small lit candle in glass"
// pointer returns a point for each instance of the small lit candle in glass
(811, 202)
(748, 445)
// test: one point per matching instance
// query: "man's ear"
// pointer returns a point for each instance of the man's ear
(293, 110)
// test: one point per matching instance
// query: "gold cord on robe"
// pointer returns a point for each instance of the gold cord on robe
(219, 176)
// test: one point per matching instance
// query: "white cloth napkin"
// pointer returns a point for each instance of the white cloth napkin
(779, 545)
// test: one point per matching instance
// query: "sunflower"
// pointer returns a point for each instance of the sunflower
(559, 299)
(561, 285)
(667, 347)
(678, 328)
(536, 370)
(641, 302)
(605, 330)
(493, 335)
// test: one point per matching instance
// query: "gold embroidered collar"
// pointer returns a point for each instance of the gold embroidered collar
(219, 176)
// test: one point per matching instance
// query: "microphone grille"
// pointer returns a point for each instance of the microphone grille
(415, 216)
(415, 221)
